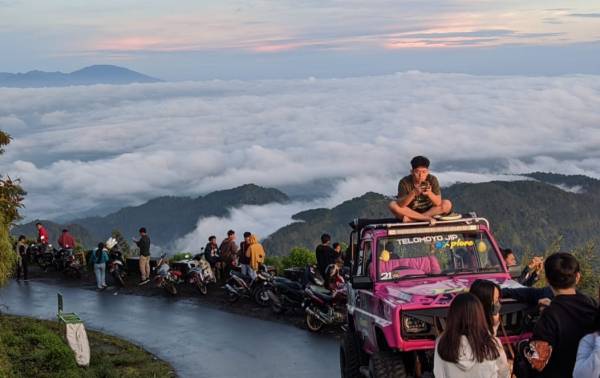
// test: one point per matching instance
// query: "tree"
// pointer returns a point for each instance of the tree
(11, 200)
(122, 243)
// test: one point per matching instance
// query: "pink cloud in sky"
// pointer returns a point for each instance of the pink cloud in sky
(136, 43)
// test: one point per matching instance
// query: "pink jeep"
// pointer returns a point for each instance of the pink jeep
(404, 276)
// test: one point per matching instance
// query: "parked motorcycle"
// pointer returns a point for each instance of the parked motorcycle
(258, 289)
(288, 294)
(116, 264)
(42, 255)
(65, 262)
(198, 272)
(323, 307)
(165, 277)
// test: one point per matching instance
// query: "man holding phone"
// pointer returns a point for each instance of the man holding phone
(419, 195)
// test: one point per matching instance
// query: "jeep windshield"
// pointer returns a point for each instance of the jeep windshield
(435, 254)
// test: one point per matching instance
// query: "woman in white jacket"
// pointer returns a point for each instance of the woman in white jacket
(467, 348)
(587, 364)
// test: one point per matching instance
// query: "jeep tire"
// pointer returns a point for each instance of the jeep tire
(350, 356)
(387, 365)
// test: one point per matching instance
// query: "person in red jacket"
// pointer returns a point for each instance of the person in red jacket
(66, 240)
(43, 238)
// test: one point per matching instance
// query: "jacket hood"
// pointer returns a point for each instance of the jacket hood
(466, 361)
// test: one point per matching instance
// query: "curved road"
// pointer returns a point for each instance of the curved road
(198, 341)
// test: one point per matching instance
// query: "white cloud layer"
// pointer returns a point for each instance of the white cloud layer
(83, 148)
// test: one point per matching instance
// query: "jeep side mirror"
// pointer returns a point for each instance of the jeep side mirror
(361, 282)
(514, 271)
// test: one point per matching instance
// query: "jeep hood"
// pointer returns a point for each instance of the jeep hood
(435, 291)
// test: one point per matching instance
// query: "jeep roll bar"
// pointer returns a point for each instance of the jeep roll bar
(359, 224)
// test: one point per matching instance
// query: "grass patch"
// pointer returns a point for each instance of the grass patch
(35, 348)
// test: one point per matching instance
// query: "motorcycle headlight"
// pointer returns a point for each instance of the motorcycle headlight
(414, 325)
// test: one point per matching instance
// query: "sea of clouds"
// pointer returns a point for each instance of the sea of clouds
(82, 149)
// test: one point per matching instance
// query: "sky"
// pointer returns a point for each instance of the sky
(262, 39)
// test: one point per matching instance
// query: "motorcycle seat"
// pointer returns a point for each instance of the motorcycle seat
(289, 284)
(242, 276)
(321, 292)
(325, 297)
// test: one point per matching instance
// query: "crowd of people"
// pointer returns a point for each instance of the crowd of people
(224, 257)
(565, 340)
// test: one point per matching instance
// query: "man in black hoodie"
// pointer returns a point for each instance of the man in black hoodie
(243, 260)
(144, 245)
(324, 254)
(561, 326)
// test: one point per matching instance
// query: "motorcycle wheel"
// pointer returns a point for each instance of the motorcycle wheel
(170, 288)
(232, 297)
(43, 264)
(119, 278)
(261, 297)
(276, 305)
(313, 323)
(201, 286)
(72, 273)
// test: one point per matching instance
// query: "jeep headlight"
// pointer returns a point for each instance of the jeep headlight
(414, 325)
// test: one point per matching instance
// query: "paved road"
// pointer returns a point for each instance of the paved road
(197, 341)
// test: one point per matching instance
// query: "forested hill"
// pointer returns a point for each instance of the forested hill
(523, 214)
(166, 218)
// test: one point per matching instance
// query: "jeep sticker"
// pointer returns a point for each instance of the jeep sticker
(454, 244)
(428, 239)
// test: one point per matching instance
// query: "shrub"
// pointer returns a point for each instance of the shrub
(299, 257)
(276, 262)
(181, 256)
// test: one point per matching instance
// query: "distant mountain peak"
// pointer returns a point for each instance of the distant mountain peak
(95, 74)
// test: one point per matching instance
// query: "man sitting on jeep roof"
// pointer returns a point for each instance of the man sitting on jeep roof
(419, 195)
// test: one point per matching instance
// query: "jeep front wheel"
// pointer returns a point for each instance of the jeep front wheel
(386, 365)
(350, 354)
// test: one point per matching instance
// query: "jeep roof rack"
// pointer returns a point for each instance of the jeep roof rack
(360, 223)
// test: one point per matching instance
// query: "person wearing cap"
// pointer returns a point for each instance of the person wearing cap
(419, 195)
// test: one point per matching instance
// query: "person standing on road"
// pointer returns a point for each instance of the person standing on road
(100, 258)
(587, 363)
(324, 254)
(211, 254)
(228, 250)
(243, 257)
(144, 245)
(22, 258)
(467, 348)
(255, 253)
